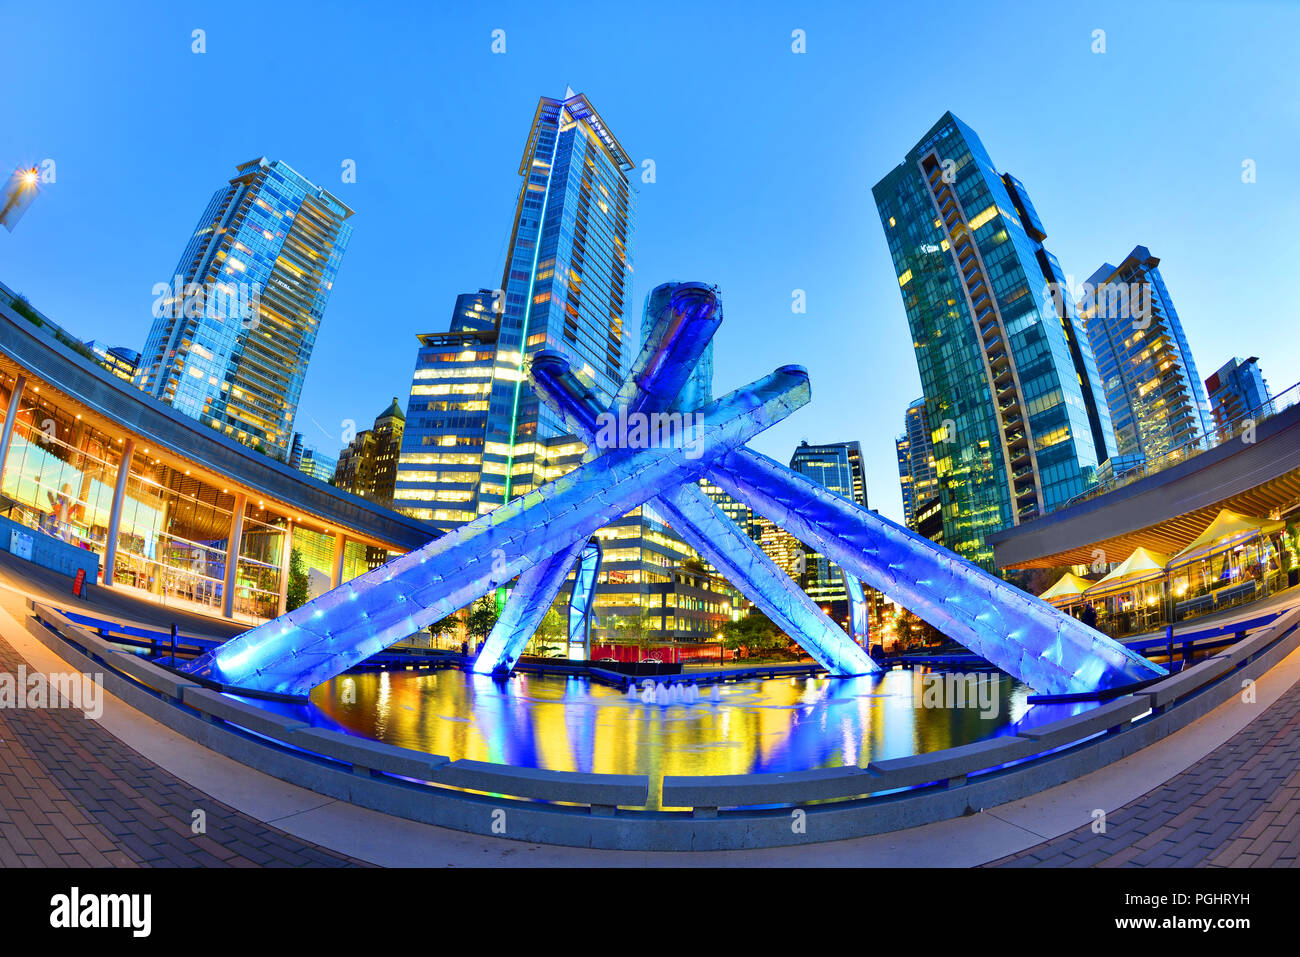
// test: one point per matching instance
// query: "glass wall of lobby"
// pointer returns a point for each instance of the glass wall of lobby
(60, 476)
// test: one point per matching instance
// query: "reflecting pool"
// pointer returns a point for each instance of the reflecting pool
(573, 724)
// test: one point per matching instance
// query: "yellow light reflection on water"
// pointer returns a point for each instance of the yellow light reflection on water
(570, 724)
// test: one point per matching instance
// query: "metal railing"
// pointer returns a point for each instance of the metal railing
(1227, 432)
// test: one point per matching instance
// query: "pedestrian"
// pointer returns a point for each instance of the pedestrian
(1089, 615)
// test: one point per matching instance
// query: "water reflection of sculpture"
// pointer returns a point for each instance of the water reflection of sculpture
(539, 537)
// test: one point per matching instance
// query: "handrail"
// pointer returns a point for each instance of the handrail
(1189, 449)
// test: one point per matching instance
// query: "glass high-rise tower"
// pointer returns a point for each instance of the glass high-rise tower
(1152, 387)
(836, 467)
(1019, 420)
(916, 472)
(235, 327)
(1238, 390)
(441, 461)
(567, 280)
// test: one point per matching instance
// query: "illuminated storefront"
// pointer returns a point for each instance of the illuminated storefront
(164, 527)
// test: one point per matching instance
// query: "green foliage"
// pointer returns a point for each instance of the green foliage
(693, 566)
(296, 593)
(552, 631)
(633, 629)
(482, 616)
(24, 309)
(755, 633)
(444, 625)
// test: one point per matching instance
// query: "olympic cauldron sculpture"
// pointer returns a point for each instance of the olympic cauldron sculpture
(542, 535)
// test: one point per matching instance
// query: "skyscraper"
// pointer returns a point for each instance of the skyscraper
(440, 464)
(368, 465)
(836, 467)
(1237, 391)
(317, 464)
(916, 472)
(234, 328)
(1012, 394)
(1152, 387)
(565, 286)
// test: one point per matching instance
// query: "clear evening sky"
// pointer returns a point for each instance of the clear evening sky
(764, 163)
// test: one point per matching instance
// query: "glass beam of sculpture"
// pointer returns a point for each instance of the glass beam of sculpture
(340, 629)
(857, 608)
(582, 597)
(682, 330)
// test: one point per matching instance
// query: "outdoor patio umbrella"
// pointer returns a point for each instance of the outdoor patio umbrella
(1068, 590)
(1139, 568)
(1228, 530)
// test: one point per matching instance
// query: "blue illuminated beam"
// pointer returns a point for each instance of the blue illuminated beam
(857, 609)
(527, 605)
(1024, 636)
(582, 597)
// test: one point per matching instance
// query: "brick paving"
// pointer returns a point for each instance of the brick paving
(1237, 807)
(73, 795)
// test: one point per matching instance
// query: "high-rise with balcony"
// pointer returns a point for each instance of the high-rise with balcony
(235, 326)
(1012, 395)
(567, 280)
(1238, 391)
(1152, 387)
(440, 463)
(916, 473)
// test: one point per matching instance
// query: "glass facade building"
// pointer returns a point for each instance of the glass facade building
(916, 472)
(567, 280)
(1238, 390)
(1012, 395)
(1152, 387)
(161, 505)
(234, 328)
(317, 464)
(836, 467)
(440, 464)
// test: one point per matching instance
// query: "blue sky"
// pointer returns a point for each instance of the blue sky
(764, 161)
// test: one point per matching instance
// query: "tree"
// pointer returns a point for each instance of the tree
(443, 625)
(295, 595)
(482, 616)
(694, 566)
(756, 633)
(550, 631)
(633, 629)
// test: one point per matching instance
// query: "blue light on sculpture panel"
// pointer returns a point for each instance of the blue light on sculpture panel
(1024, 636)
(857, 608)
(582, 597)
